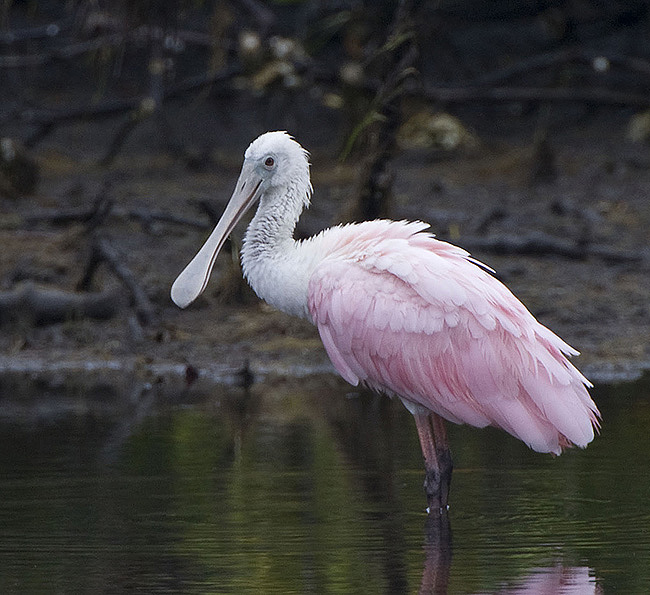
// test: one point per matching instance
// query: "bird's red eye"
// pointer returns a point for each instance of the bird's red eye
(269, 162)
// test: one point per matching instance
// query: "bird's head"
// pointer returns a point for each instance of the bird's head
(272, 162)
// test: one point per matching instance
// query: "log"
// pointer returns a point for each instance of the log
(43, 306)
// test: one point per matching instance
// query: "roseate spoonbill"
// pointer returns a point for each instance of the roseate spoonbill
(403, 313)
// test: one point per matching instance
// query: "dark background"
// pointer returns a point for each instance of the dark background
(519, 130)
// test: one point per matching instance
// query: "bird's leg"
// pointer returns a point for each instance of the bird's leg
(437, 459)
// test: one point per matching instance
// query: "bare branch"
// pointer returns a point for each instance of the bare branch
(534, 94)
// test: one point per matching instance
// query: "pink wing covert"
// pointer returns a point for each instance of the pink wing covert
(415, 317)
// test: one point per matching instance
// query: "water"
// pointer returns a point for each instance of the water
(306, 487)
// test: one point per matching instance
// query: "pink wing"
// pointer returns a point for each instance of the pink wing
(412, 316)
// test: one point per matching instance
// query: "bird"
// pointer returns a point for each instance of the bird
(402, 313)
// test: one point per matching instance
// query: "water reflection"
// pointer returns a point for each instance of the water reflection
(300, 487)
(437, 554)
(555, 580)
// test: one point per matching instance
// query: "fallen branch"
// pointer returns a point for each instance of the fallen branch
(47, 306)
(60, 217)
(103, 251)
(143, 307)
(541, 244)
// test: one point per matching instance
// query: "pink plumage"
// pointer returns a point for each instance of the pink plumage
(403, 313)
(412, 316)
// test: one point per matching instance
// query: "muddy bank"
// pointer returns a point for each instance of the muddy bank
(598, 303)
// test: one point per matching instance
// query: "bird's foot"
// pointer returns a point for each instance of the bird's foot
(436, 487)
(440, 509)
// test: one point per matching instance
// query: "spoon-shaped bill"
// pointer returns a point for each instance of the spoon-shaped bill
(191, 283)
